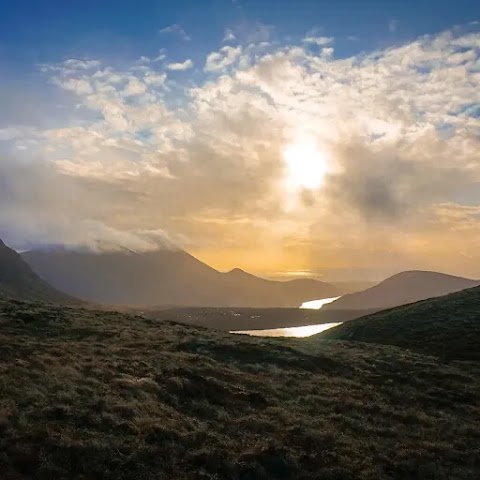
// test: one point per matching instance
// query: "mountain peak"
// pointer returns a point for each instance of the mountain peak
(403, 288)
(237, 271)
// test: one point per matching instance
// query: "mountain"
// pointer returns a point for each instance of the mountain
(403, 288)
(447, 326)
(165, 278)
(19, 281)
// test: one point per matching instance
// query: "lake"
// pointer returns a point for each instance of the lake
(298, 332)
(318, 304)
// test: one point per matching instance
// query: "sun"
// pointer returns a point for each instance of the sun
(305, 164)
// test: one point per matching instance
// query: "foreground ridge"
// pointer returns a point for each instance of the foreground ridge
(87, 394)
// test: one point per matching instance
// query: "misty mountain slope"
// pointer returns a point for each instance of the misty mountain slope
(19, 281)
(165, 277)
(403, 288)
(447, 326)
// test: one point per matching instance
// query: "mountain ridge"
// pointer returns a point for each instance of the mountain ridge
(403, 288)
(165, 277)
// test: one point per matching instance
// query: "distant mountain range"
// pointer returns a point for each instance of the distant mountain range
(174, 278)
(165, 278)
(17, 280)
(401, 289)
(447, 326)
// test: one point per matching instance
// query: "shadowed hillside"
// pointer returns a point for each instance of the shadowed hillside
(18, 280)
(447, 326)
(87, 394)
(403, 288)
(165, 277)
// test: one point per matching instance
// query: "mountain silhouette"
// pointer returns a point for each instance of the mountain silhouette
(401, 289)
(165, 278)
(17, 280)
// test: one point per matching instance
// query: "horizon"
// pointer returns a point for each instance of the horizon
(363, 283)
(324, 139)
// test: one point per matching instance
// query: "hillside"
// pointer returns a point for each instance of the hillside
(87, 394)
(18, 280)
(401, 289)
(447, 326)
(165, 278)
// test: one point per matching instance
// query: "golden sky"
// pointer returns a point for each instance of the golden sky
(279, 160)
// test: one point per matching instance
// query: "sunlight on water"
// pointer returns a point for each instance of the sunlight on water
(318, 304)
(299, 332)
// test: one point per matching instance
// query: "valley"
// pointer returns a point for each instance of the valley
(162, 392)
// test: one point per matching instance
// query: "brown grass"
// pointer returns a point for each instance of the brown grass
(99, 395)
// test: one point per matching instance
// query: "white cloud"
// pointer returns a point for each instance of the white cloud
(318, 40)
(134, 87)
(160, 58)
(175, 29)
(229, 35)
(253, 32)
(179, 66)
(81, 64)
(77, 85)
(219, 61)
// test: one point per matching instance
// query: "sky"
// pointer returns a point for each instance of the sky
(336, 139)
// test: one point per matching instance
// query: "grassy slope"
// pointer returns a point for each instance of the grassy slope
(87, 394)
(447, 326)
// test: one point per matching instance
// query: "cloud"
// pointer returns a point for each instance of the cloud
(229, 35)
(160, 57)
(16, 132)
(81, 64)
(321, 41)
(40, 206)
(180, 65)
(219, 61)
(250, 33)
(203, 162)
(175, 29)
(392, 25)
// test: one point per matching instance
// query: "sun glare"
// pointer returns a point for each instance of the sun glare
(306, 165)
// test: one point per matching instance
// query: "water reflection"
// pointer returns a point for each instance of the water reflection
(318, 304)
(299, 332)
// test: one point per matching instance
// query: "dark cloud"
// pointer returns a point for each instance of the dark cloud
(388, 184)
